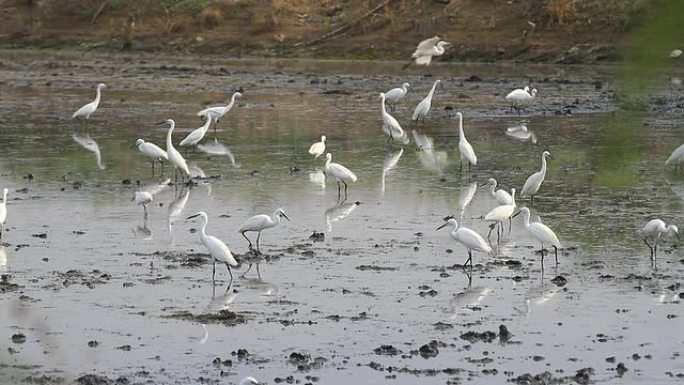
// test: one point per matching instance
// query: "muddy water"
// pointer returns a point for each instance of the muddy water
(101, 291)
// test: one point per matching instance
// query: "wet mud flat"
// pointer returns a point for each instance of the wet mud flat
(93, 294)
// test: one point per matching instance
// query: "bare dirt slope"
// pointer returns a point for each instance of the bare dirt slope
(529, 30)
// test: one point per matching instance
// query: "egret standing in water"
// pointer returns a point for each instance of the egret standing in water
(424, 106)
(500, 214)
(393, 96)
(260, 223)
(317, 149)
(153, 151)
(87, 110)
(390, 125)
(468, 238)
(216, 113)
(197, 134)
(655, 228)
(502, 196)
(218, 250)
(174, 156)
(340, 172)
(541, 233)
(520, 96)
(427, 49)
(3, 210)
(676, 158)
(535, 180)
(143, 198)
(464, 147)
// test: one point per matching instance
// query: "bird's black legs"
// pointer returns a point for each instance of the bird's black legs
(258, 270)
(338, 189)
(257, 241)
(231, 275)
(250, 242)
(247, 271)
(213, 272)
(345, 188)
(555, 249)
(649, 246)
(470, 259)
(542, 253)
(491, 228)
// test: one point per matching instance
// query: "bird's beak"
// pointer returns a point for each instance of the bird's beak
(441, 227)
(516, 214)
(285, 216)
(192, 216)
(678, 236)
(484, 184)
(160, 123)
(132, 199)
(132, 145)
(551, 156)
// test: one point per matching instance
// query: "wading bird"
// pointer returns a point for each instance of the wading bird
(143, 198)
(500, 214)
(535, 180)
(390, 125)
(197, 134)
(427, 49)
(502, 196)
(541, 233)
(216, 113)
(260, 223)
(676, 158)
(468, 238)
(340, 172)
(218, 250)
(393, 96)
(87, 110)
(655, 228)
(424, 106)
(520, 96)
(3, 210)
(174, 156)
(317, 149)
(464, 147)
(153, 151)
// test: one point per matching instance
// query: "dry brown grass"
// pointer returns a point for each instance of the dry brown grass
(560, 12)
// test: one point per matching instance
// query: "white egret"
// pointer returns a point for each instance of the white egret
(317, 149)
(143, 198)
(216, 113)
(90, 145)
(655, 228)
(427, 49)
(520, 96)
(249, 381)
(390, 125)
(260, 223)
(197, 134)
(218, 250)
(502, 196)
(339, 212)
(676, 158)
(87, 110)
(468, 238)
(153, 151)
(464, 147)
(340, 172)
(393, 96)
(675, 53)
(535, 180)
(424, 106)
(174, 156)
(500, 213)
(541, 233)
(3, 210)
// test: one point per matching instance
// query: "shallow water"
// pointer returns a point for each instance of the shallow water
(383, 275)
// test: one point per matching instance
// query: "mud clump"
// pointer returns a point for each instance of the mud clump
(18, 338)
(76, 277)
(94, 379)
(223, 317)
(317, 237)
(6, 286)
(387, 350)
(504, 334)
(431, 349)
(472, 337)
(304, 363)
(559, 281)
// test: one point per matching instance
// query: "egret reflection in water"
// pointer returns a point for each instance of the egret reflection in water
(217, 149)
(429, 158)
(466, 301)
(465, 195)
(522, 133)
(90, 145)
(221, 302)
(539, 296)
(263, 288)
(317, 177)
(391, 161)
(3, 258)
(176, 210)
(339, 212)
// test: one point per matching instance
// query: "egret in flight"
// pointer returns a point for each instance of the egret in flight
(427, 49)
(468, 238)
(535, 180)
(340, 172)
(260, 223)
(655, 228)
(218, 250)
(87, 110)
(424, 106)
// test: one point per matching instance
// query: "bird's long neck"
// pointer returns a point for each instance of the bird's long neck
(232, 101)
(439, 49)
(203, 232)
(384, 110)
(4, 197)
(207, 123)
(169, 144)
(98, 95)
(276, 219)
(492, 188)
(461, 134)
(526, 218)
(543, 169)
(403, 88)
(432, 90)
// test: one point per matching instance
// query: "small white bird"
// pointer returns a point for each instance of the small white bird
(260, 223)
(424, 106)
(393, 96)
(174, 156)
(87, 110)
(218, 250)
(143, 198)
(535, 180)
(502, 196)
(427, 49)
(464, 147)
(317, 149)
(675, 53)
(677, 158)
(249, 381)
(153, 151)
(197, 134)
(500, 213)
(468, 238)
(216, 113)
(655, 228)
(390, 125)
(3, 210)
(520, 96)
(541, 233)
(340, 172)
